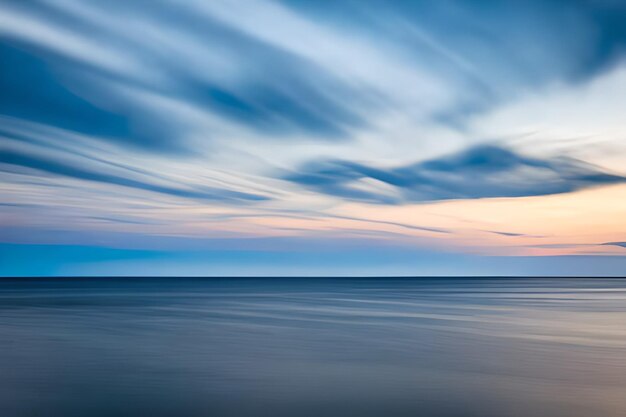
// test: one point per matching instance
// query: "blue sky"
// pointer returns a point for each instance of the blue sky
(312, 138)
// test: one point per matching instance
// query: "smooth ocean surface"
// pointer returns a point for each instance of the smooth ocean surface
(313, 347)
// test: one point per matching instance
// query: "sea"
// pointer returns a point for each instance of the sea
(299, 347)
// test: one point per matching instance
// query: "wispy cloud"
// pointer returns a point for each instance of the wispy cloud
(67, 169)
(480, 172)
(268, 118)
(620, 244)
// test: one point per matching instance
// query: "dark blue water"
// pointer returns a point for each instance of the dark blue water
(313, 347)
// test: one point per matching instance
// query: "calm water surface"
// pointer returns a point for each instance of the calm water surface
(313, 347)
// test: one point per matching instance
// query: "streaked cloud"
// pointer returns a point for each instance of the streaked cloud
(480, 172)
(371, 121)
(620, 244)
(50, 166)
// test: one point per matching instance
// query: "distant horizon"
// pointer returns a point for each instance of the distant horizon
(55, 277)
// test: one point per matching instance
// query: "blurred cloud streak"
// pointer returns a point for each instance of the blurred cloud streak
(480, 172)
(265, 119)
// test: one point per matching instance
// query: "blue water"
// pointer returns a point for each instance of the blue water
(313, 347)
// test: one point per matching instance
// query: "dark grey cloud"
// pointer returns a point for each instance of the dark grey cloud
(390, 223)
(509, 234)
(620, 244)
(480, 172)
(512, 234)
(63, 168)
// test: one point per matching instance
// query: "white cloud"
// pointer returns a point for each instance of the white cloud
(585, 120)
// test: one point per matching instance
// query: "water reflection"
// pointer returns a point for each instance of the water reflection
(310, 347)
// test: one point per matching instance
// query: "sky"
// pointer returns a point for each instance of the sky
(313, 138)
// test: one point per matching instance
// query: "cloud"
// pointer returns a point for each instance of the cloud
(391, 223)
(54, 74)
(56, 167)
(480, 172)
(512, 234)
(285, 69)
(620, 244)
(31, 91)
(182, 118)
